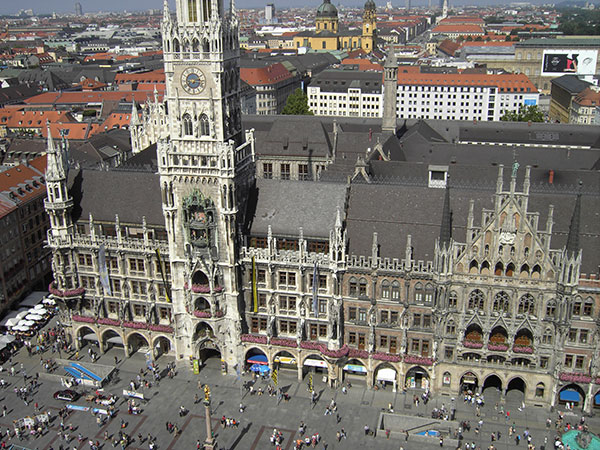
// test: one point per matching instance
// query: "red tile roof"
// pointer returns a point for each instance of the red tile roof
(21, 181)
(363, 64)
(77, 131)
(155, 76)
(12, 118)
(588, 97)
(460, 29)
(70, 98)
(505, 82)
(265, 75)
(462, 19)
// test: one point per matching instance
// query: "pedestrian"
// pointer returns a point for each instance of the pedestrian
(338, 435)
(366, 430)
(441, 441)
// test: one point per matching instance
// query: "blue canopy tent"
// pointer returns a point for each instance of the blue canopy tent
(255, 367)
(597, 399)
(263, 370)
(570, 395)
(258, 359)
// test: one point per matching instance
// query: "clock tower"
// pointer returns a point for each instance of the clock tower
(206, 170)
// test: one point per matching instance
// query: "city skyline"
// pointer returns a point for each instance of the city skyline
(62, 6)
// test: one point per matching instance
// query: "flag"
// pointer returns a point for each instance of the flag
(103, 270)
(162, 273)
(254, 291)
(315, 289)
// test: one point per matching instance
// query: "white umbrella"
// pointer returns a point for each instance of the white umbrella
(38, 306)
(21, 314)
(21, 328)
(49, 301)
(34, 317)
(40, 310)
(27, 323)
(12, 322)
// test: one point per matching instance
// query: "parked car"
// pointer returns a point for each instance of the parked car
(67, 395)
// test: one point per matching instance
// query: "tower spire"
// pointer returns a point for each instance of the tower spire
(390, 86)
(55, 166)
(573, 246)
(134, 114)
(446, 226)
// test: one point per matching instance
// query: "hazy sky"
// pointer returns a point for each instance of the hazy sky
(61, 6)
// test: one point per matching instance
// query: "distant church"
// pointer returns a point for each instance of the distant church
(328, 35)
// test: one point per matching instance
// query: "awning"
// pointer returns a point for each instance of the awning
(115, 340)
(355, 368)
(258, 359)
(570, 395)
(285, 360)
(315, 363)
(597, 399)
(91, 337)
(386, 374)
(469, 379)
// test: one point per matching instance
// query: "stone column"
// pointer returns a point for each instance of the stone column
(209, 444)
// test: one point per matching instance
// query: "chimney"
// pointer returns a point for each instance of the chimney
(551, 177)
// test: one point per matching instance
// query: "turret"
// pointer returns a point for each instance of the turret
(59, 202)
(390, 86)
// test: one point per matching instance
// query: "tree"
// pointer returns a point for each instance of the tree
(529, 113)
(297, 104)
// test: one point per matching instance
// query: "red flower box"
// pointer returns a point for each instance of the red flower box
(68, 293)
(339, 353)
(497, 347)
(309, 345)
(387, 357)
(523, 349)
(254, 339)
(85, 319)
(108, 321)
(575, 377)
(418, 360)
(355, 353)
(203, 314)
(161, 328)
(473, 344)
(284, 342)
(136, 325)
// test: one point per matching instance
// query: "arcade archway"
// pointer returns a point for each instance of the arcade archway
(515, 390)
(469, 383)
(285, 361)
(386, 375)
(86, 335)
(417, 378)
(355, 371)
(162, 346)
(137, 343)
(572, 394)
(111, 338)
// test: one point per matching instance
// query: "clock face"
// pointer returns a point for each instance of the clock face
(193, 80)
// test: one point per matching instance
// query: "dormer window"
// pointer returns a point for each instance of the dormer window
(438, 176)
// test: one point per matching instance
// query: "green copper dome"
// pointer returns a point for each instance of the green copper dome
(327, 9)
(370, 5)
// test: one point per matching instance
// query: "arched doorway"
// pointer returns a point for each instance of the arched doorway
(162, 346)
(286, 361)
(203, 331)
(386, 375)
(469, 383)
(493, 382)
(256, 356)
(209, 354)
(137, 343)
(111, 338)
(515, 390)
(316, 365)
(355, 371)
(416, 378)
(571, 396)
(86, 335)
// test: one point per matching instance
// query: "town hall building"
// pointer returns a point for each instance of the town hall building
(421, 254)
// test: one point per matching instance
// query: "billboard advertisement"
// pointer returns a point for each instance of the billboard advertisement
(575, 62)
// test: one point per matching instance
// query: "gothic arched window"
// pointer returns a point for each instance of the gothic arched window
(452, 299)
(527, 304)
(187, 125)
(501, 302)
(192, 11)
(353, 287)
(204, 125)
(395, 290)
(385, 289)
(476, 299)
(551, 309)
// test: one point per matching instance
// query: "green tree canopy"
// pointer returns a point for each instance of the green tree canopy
(297, 104)
(529, 113)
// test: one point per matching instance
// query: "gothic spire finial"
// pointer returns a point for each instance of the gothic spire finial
(573, 246)
(134, 114)
(51, 147)
(446, 226)
(338, 219)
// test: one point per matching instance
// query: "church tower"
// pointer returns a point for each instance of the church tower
(369, 27)
(390, 88)
(205, 172)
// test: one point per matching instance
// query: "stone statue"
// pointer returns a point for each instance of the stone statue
(435, 348)
(515, 168)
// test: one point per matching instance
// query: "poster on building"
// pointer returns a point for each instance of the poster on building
(576, 62)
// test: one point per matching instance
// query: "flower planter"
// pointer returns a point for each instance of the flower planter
(108, 321)
(85, 319)
(69, 293)
(254, 339)
(309, 345)
(161, 328)
(519, 349)
(355, 353)
(387, 357)
(136, 325)
(497, 347)
(418, 360)
(576, 377)
(203, 314)
(341, 352)
(473, 344)
(283, 342)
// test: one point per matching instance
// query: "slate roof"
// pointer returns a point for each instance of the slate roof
(129, 194)
(571, 83)
(288, 205)
(342, 80)
(383, 208)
